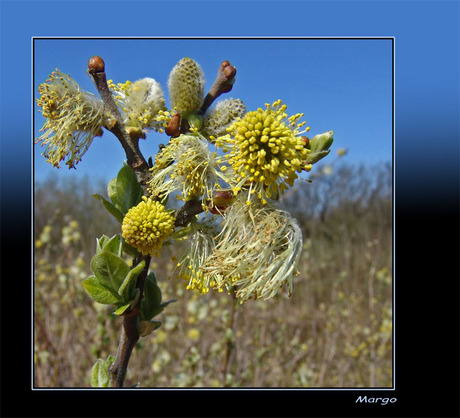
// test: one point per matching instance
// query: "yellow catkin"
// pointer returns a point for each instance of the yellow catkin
(147, 225)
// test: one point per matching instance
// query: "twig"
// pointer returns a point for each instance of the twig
(185, 214)
(129, 141)
(129, 334)
(223, 84)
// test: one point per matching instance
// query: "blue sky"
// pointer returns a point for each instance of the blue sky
(344, 85)
(339, 85)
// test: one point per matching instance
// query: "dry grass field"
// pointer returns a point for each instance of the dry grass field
(334, 331)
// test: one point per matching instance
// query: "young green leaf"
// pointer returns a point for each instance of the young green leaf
(114, 211)
(152, 298)
(100, 377)
(99, 292)
(129, 191)
(109, 269)
(112, 191)
(100, 242)
(113, 245)
(127, 287)
(122, 309)
(151, 303)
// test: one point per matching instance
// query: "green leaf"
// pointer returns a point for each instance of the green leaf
(129, 191)
(151, 303)
(99, 292)
(122, 309)
(315, 156)
(128, 284)
(112, 191)
(109, 269)
(100, 242)
(113, 245)
(114, 211)
(100, 377)
(152, 297)
(145, 328)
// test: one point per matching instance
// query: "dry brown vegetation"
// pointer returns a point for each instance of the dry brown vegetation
(334, 331)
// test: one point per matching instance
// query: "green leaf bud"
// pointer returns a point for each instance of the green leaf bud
(121, 310)
(314, 157)
(194, 121)
(100, 377)
(322, 142)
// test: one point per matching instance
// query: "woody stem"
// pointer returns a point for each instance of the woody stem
(115, 124)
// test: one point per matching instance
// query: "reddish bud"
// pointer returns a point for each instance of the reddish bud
(97, 64)
(173, 128)
(229, 71)
(216, 210)
(223, 197)
(306, 141)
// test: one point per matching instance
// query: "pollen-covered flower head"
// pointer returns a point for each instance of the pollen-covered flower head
(200, 247)
(257, 251)
(140, 102)
(74, 117)
(186, 164)
(147, 225)
(186, 86)
(267, 150)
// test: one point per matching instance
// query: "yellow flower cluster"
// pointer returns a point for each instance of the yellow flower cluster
(140, 102)
(267, 150)
(185, 164)
(147, 225)
(74, 118)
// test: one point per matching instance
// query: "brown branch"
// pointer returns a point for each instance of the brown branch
(186, 213)
(130, 143)
(128, 139)
(223, 84)
(129, 334)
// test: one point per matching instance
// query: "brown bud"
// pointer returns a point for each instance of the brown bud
(216, 210)
(306, 141)
(229, 71)
(173, 128)
(97, 64)
(223, 197)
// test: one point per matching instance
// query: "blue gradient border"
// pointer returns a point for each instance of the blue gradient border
(426, 183)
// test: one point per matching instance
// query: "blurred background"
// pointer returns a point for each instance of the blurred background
(336, 328)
